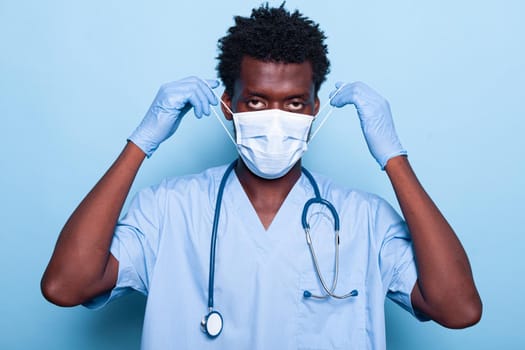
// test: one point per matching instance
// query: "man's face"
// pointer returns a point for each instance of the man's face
(271, 85)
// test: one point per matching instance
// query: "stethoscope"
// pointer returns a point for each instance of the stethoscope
(212, 322)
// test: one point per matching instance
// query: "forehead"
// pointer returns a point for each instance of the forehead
(261, 77)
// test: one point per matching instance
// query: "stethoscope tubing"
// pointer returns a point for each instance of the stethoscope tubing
(315, 200)
(214, 233)
(319, 200)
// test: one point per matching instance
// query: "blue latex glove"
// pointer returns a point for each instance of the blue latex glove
(375, 117)
(172, 102)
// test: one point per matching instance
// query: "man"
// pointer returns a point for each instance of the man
(262, 289)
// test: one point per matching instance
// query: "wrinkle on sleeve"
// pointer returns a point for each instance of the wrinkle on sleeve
(396, 257)
(134, 245)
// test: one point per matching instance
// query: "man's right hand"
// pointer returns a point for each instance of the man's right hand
(82, 266)
(172, 102)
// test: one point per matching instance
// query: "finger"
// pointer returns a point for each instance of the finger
(345, 95)
(206, 96)
(338, 87)
(211, 98)
(212, 83)
(199, 101)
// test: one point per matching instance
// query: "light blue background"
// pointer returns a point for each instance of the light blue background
(77, 77)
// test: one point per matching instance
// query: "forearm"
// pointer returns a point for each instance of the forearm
(79, 261)
(445, 287)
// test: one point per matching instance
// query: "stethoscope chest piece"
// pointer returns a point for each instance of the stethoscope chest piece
(211, 324)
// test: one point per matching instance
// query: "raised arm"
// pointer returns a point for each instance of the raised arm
(81, 266)
(445, 289)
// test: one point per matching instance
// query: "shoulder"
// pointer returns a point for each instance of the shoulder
(361, 206)
(201, 180)
(355, 202)
(344, 194)
(195, 185)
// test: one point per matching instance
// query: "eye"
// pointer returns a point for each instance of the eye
(295, 106)
(256, 104)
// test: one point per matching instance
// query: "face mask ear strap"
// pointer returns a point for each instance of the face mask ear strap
(217, 115)
(328, 114)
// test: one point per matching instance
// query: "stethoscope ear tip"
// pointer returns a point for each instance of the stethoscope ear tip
(307, 294)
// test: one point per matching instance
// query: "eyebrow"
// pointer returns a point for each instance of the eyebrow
(255, 93)
(304, 96)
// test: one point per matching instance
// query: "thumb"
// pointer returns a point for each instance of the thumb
(212, 83)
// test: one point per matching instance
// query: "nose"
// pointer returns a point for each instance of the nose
(276, 141)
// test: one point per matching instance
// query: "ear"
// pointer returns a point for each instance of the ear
(316, 105)
(228, 102)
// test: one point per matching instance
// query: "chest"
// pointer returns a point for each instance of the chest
(260, 277)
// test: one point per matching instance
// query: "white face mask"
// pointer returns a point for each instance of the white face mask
(271, 141)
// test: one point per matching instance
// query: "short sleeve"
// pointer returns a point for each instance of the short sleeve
(396, 257)
(134, 245)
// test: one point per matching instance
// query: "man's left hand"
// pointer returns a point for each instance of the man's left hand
(375, 117)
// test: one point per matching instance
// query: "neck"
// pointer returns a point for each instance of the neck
(267, 196)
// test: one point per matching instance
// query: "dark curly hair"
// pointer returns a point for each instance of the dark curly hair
(272, 35)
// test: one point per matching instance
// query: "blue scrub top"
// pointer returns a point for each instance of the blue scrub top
(163, 248)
